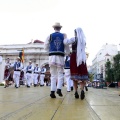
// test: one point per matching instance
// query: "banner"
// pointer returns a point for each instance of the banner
(21, 55)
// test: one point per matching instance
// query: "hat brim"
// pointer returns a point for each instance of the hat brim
(56, 26)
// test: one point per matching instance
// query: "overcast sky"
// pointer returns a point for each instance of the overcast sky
(24, 20)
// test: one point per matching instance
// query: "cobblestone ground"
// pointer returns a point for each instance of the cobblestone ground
(35, 104)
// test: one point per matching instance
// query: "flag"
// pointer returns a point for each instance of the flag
(21, 55)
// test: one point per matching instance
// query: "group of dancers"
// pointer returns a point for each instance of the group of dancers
(63, 58)
(16, 72)
(58, 46)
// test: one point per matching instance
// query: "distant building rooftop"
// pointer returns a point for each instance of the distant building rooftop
(36, 41)
(107, 54)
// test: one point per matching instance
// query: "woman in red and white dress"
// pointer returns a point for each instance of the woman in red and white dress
(7, 72)
(78, 67)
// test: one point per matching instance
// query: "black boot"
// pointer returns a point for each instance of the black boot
(59, 92)
(76, 95)
(86, 88)
(82, 95)
(71, 88)
(52, 95)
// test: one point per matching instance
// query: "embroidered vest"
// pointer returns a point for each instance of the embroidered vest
(42, 70)
(56, 44)
(16, 65)
(35, 68)
(29, 67)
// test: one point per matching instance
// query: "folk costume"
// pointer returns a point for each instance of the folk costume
(78, 67)
(7, 73)
(67, 74)
(17, 70)
(29, 70)
(55, 45)
(42, 76)
(36, 72)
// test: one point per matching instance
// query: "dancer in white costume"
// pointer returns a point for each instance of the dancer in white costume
(42, 76)
(29, 70)
(17, 70)
(36, 72)
(56, 47)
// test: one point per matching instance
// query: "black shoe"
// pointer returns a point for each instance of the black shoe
(35, 85)
(71, 88)
(59, 92)
(6, 86)
(52, 95)
(28, 86)
(68, 91)
(82, 95)
(16, 87)
(86, 88)
(76, 95)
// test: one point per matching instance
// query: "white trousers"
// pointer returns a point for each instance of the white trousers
(28, 78)
(68, 80)
(56, 77)
(71, 82)
(42, 76)
(35, 78)
(16, 77)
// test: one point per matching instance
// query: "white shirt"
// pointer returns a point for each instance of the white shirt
(56, 60)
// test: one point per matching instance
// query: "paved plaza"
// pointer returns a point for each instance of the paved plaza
(36, 104)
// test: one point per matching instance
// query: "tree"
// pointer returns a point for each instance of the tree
(109, 74)
(91, 76)
(116, 66)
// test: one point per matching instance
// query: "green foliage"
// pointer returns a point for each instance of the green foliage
(116, 66)
(113, 73)
(1, 84)
(109, 76)
(91, 76)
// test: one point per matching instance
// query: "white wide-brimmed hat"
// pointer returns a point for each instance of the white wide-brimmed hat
(57, 24)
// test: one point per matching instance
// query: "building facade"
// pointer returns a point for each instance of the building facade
(107, 52)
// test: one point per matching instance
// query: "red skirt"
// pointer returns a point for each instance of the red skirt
(80, 72)
(6, 74)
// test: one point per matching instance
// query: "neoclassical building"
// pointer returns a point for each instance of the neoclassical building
(32, 52)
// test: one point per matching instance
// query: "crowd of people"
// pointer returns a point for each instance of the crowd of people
(67, 59)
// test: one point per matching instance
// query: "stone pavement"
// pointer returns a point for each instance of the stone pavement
(35, 104)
